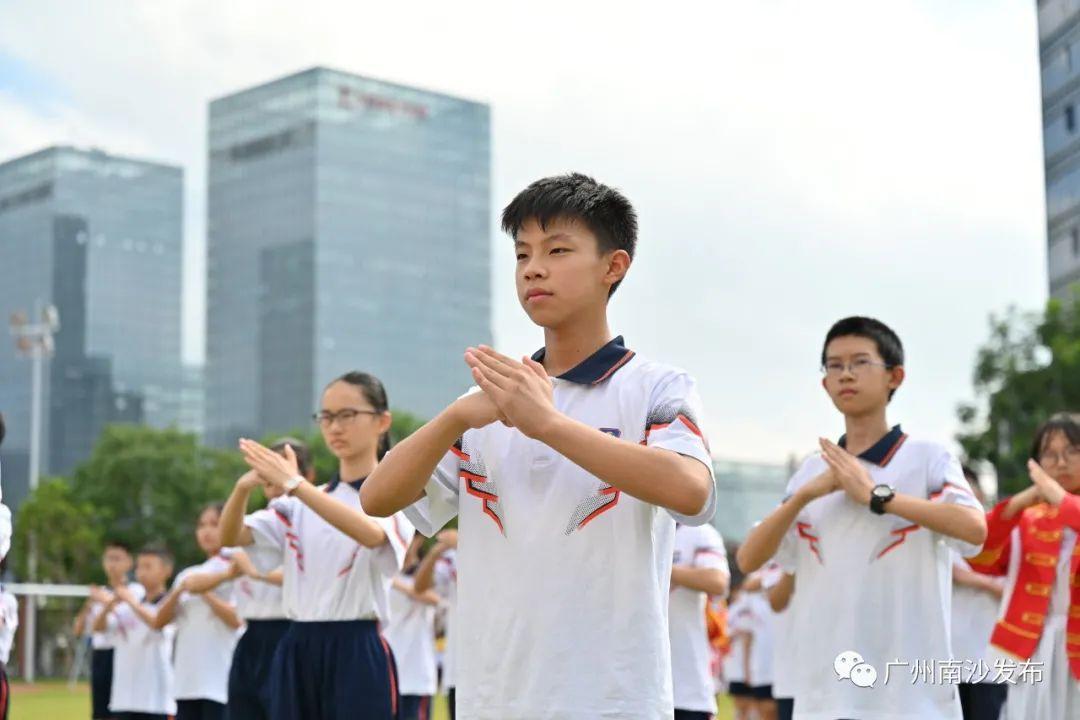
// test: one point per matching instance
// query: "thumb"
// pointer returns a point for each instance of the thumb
(290, 455)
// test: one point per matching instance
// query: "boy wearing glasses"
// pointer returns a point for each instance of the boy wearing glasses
(866, 527)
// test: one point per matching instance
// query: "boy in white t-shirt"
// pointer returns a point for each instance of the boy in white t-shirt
(142, 681)
(567, 472)
(699, 569)
(117, 563)
(865, 523)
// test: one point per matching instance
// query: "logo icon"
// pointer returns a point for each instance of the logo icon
(850, 665)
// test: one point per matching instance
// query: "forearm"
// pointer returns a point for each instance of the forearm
(969, 578)
(165, 613)
(231, 525)
(424, 577)
(764, 539)
(399, 479)
(223, 610)
(703, 579)
(205, 582)
(780, 594)
(274, 577)
(632, 468)
(80, 620)
(354, 523)
(101, 622)
(956, 521)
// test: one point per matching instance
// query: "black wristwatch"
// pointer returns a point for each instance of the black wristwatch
(880, 495)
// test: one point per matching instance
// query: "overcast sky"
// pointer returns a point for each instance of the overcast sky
(792, 162)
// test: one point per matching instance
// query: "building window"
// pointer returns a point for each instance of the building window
(1070, 118)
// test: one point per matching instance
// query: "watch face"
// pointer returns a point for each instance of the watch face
(882, 491)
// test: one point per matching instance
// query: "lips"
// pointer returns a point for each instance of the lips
(848, 393)
(536, 293)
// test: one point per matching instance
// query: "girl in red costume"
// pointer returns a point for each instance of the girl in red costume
(1032, 540)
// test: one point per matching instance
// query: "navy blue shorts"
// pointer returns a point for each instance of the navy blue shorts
(200, 709)
(249, 676)
(101, 664)
(414, 707)
(333, 671)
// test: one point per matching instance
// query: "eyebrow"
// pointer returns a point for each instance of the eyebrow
(549, 239)
(856, 355)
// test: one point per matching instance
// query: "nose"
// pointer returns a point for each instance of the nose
(534, 268)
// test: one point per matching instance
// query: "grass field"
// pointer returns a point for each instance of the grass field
(54, 701)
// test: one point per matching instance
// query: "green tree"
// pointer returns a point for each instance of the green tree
(1028, 370)
(68, 539)
(147, 485)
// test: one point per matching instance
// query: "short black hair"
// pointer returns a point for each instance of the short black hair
(1063, 422)
(604, 210)
(158, 550)
(118, 544)
(885, 339)
(3, 429)
(300, 449)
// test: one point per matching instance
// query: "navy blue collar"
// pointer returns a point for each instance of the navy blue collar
(883, 450)
(598, 367)
(336, 480)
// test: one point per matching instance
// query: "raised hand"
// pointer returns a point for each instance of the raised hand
(274, 469)
(521, 391)
(447, 538)
(852, 476)
(820, 486)
(476, 410)
(1049, 488)
(242, 565)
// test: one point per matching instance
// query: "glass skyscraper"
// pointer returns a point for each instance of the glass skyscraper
(1059, 53)
(99, 237)
(348, 228)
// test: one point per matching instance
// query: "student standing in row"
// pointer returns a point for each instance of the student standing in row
(1033, 544)
(338, 563)
(258, 575)
(699, 569)
(142, 679)
(553, 466)
(411, 634)
(864, 521)
(438, 571)
(117, 563)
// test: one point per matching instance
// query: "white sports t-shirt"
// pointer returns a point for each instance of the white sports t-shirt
(784, 642)
(256, 599)
(691, 653)
(411, 634)
(142, 680)
(328, 575)
(446, 587)
(974, 615)
(204, 643)
(105, 640)
(755, 618)
(563, 580)
(876, 585)
(9, 622)
(734, 665)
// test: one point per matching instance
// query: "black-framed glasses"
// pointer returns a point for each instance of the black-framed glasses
(345, 417)
(857, 367)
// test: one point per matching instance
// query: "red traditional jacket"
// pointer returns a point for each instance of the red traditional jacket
(1040, 542)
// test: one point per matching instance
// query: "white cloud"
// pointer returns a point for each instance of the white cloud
(792, 161)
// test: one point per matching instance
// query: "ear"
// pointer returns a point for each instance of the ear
(897, 379)
(618, 266)
(824, 385)
(385, 421)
